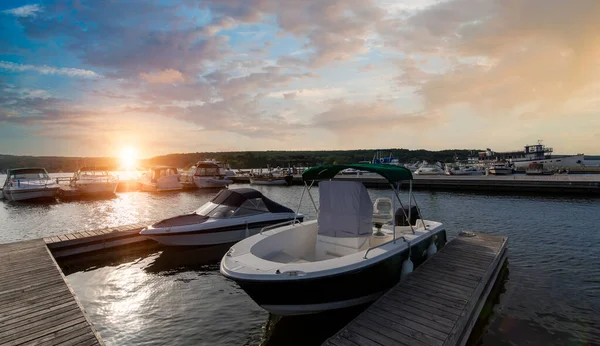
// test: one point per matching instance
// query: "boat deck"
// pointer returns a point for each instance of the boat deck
(37, 306)
(438, 304)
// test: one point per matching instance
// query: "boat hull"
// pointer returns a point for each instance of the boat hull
(501, 171)
(298, 296)
(211, 183)
(92, 189)
(29, 194)
(212, 236)
(555, 162)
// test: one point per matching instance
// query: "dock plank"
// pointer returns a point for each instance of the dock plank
(36, 303)
(438, 303)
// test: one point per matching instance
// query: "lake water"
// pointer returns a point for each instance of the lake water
(178, 297)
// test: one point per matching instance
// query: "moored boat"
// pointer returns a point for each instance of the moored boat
(23, 184)
(94, 181)
(161, 179)
(500, 169)
(231, 216)
(208, 174)
(538, 169)
(348, 256)
(270, 179)
(429, 169)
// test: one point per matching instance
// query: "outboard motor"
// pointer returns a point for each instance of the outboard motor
(401, 219)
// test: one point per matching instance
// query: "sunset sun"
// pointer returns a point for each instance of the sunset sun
(128, 158)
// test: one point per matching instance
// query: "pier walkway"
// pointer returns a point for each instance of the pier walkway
(438, 304)
(37, 306)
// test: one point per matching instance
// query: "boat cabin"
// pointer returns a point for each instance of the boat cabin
(207, 169)
(27, 174)
(162, 171)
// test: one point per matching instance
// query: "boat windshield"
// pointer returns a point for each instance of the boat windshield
(249, 207)
(30, 174)
(214, 210)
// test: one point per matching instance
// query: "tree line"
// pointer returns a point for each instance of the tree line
(236, 159)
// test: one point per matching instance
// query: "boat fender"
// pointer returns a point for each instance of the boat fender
(432, 249)
(407, 268)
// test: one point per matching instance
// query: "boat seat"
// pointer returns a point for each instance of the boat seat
(333, 247)
(382, 210)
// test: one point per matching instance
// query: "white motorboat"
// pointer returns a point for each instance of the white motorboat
(207, 174)
(464, 170)
(270, 179)
(428, 169)
(29, 184)
(161, 179)
(500, 169)
(348, 256)
(92, 181)
(230, 216)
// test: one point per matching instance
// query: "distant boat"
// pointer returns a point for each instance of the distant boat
(538, 169)
(465, 170)
(428, 169)
(208, 174)
(161, 179)
(270, 179)
(92, 181)
(500, 169)
(29, 184)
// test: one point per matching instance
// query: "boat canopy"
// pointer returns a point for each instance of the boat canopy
(238, 197)
(94, 169)
(392, 173)
(345, 209)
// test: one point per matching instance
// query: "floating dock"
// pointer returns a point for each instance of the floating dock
(438, 304)
(37, 306)
(554, 184)
(89, 241)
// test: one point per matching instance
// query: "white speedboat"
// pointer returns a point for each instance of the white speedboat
(208, 174)
(161, 179)
(428, 169)
(230, 216)
(348, 256)
(270, 179)
(92, 181)
(465, 170)
(29, 184)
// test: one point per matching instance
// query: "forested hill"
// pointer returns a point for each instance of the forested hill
(244, 159)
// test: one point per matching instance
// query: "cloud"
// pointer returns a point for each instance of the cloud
(336, 30)
(349, 118)
(165, 76)
(24, 11)
(499, 56)
(65, 71)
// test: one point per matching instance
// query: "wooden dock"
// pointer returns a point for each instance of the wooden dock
(438, 304)
(37, 306)
(88, 241)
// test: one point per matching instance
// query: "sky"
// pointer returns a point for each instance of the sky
(89, 78)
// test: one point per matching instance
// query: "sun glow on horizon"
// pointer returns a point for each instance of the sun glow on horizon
(129, 158)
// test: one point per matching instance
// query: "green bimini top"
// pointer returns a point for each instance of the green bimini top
(392, 173)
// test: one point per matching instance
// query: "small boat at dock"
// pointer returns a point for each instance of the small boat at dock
(231, 216)
(500, 169)
(538, 169)
(352, 254)
(25, 184)
(271, 179)
(94, 181)
(161, 179)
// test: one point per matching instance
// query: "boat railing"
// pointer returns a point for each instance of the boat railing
(289, 222)
(382, 244)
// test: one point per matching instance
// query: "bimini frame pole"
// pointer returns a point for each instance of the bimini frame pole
(311, 197)
(300, 203)
(394, 209)
(409, 200)
(402, 206)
